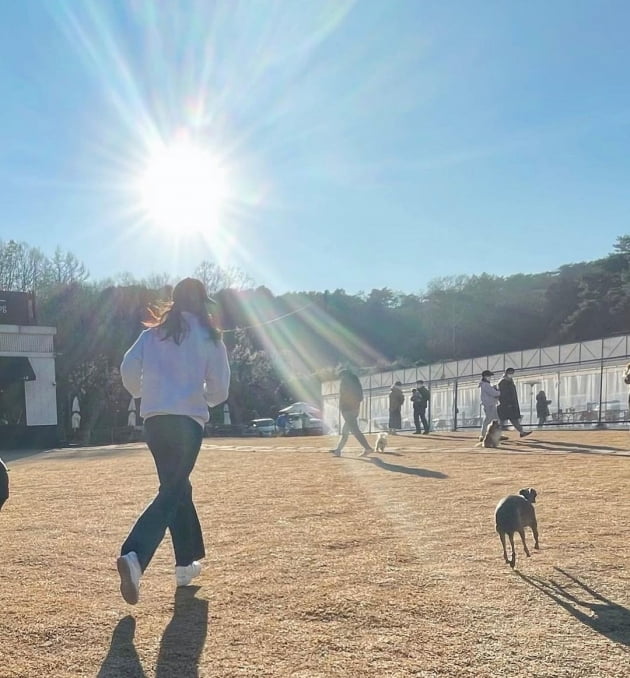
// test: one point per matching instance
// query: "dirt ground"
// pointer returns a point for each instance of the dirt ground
(319, 566)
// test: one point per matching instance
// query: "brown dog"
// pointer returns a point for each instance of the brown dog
(493, 435)
(514, 514)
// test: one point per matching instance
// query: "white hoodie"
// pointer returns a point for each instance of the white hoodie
(181, 379)
(489, 394)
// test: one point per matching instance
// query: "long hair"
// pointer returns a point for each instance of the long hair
(188, 295)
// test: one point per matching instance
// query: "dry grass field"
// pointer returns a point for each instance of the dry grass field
(319, 566)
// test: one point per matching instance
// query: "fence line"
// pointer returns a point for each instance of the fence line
(586, 388)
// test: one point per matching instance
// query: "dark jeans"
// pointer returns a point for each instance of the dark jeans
(174, 442)
(351, 425)
(515, 421)
(419, 414)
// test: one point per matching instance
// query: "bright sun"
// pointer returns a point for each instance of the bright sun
(183, 188)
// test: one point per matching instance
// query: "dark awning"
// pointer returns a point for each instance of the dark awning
(14, 369)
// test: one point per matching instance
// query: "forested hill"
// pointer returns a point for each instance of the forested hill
(455, 318)
(281, 346)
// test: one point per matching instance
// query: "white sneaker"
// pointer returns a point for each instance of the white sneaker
(186, 573)
(130, 572)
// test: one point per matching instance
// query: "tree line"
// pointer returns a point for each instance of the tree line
(282, 346)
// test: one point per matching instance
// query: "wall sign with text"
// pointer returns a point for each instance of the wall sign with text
(16, 308)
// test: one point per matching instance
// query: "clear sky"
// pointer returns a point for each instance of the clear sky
(316, 144)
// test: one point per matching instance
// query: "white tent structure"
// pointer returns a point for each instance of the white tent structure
(301, 408)
(583, 380)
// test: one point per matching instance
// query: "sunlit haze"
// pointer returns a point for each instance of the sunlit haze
(316, 145)
(182, 188)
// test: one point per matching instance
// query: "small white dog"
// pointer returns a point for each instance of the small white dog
(381, 442)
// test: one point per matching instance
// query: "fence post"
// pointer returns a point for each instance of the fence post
(370, 404)
(430, 397)
(455, 409)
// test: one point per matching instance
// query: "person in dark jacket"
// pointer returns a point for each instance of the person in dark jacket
(4, 483)
(508, 403)
(542, 408)
(420, 400)
(350, 399)
(396, 399)
(626, 380)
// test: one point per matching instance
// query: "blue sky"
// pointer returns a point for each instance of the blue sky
(366, 144)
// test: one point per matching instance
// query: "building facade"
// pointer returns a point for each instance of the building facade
(28, 397)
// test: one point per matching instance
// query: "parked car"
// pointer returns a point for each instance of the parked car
(262, 427)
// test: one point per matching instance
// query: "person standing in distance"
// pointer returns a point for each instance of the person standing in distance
(396, 400)
(4, 483)
(508, 402)
(542, 408)
(626, 380)
(420, 403)
(489, 400)
(350, 399)
(178, 367)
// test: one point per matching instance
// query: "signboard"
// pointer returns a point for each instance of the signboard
(16, 308)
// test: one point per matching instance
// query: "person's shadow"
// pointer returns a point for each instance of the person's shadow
(181, 646)
(122, 658)
(184, 637)
(586, 605)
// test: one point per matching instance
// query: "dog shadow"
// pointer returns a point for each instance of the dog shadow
(408, 470)
(588, 448)
(181, 645)
(576, 448)
(444, 436)
(587, 605)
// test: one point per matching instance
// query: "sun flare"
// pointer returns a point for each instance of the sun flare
(183, 188)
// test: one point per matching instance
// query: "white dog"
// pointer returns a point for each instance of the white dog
(381, 442)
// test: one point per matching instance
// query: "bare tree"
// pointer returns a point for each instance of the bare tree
(215, 277)
(66, 269)
(22, 268)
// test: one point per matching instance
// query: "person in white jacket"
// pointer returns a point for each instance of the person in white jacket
(178, 367)
(489, 400)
